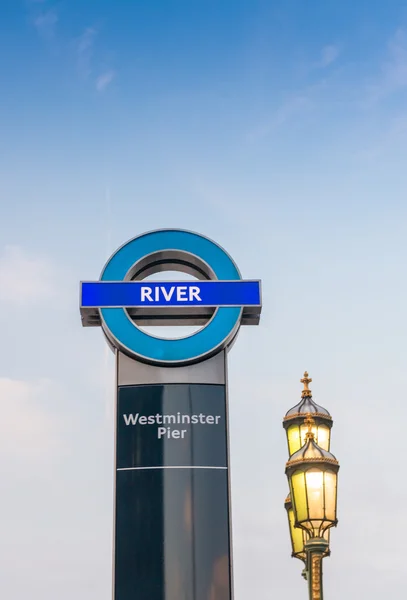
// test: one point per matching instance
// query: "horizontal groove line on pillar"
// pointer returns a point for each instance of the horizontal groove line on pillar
(168, 467)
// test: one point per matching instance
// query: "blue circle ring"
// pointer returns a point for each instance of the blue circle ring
(127, 337)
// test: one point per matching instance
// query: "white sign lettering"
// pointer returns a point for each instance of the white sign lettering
(194, 292)
(146, 294)
(181, 293)
(164, 431)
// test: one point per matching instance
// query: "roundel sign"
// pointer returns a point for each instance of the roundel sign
(123, 301)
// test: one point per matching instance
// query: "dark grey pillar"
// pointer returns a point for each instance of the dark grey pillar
(172, 513)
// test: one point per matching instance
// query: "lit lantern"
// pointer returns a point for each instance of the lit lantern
(295, 427)
(299, 536)
(312, 475)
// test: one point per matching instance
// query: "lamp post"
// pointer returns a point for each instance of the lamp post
(312, 473)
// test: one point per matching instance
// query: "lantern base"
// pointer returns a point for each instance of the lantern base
(316, 546)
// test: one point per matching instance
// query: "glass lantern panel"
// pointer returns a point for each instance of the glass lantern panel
(330, 495)
(299, 495)
(293, 436)
(296, 534)
(315, 490)
(304, 431)
(323, 435)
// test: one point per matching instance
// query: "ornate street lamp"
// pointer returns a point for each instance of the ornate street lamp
(312, 475)
(294, 421)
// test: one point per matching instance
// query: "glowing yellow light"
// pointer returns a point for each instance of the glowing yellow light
(297, 535)
(330, 494)
(322, 437)
(294, 443)
(315, 489)
(315, 481)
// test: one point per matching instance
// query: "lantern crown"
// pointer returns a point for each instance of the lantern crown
(311, 453)
(296, 427)
(306, 380)
(307, 404)
(310, 423)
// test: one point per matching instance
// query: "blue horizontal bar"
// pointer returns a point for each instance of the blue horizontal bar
(109, 294)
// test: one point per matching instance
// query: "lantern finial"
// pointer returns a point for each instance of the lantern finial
(306, 380)
(310, 423)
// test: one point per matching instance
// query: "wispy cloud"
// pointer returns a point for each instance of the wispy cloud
(25, 279)
(389, 78)
(299, 104)
(82, 46)
(301, 100)
(329, 54)
(104, 80)
(85, 46)
(46, 22)
(291, 107)
(393, 72)
(84, 51)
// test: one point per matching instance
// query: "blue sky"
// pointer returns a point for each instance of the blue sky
(279, 130)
